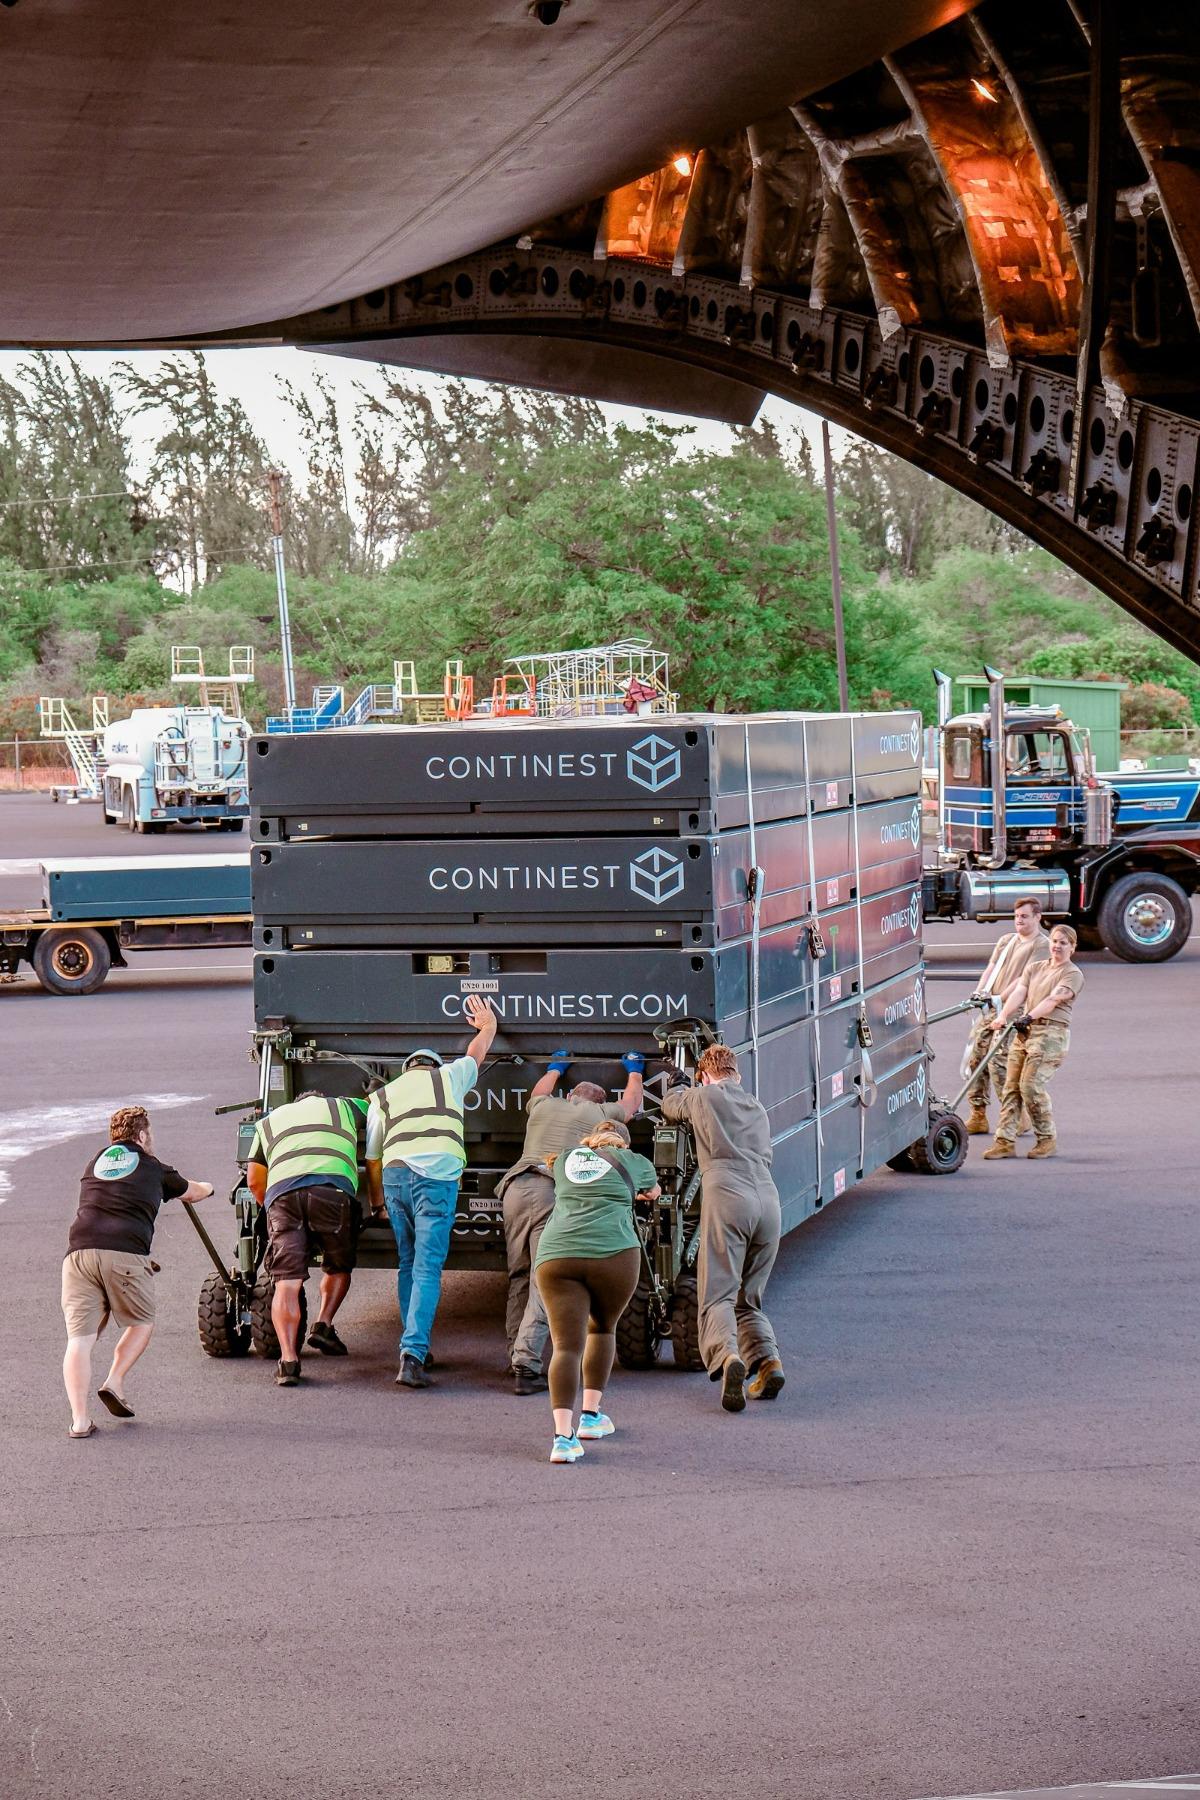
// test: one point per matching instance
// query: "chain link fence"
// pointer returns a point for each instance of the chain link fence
(33, 765)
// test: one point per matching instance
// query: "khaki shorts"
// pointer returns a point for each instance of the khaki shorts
(96, 1283)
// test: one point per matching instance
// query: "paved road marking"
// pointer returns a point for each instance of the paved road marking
(1097, 1790)
(34, 1128)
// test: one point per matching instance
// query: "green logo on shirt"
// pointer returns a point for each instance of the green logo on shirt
(585, 1165)
(116, 1161)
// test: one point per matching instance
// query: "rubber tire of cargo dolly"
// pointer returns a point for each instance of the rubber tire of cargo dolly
(262, 1331)
(1113, 920)
(943, 1149)
(232, 824)
(685, 1326)
(638, 1341)
(220, 1335)
(93, 954)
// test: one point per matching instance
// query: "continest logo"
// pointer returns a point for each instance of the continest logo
(912, 1090)
(908, 1006)
(904, 917)
(904, 831)
(656, 875)
(653, 763)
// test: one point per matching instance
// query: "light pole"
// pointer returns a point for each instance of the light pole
(275, 479)
(839, 623)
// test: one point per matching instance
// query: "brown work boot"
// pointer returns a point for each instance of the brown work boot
(1044, 1147)
(999, 1149)
(733, 1384)
(767, 1380)
(977, 1122)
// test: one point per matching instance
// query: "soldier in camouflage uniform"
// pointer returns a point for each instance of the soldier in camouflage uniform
(1012, 956)
(1041, 1007)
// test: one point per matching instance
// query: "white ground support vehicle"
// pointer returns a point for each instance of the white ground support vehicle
(181, 764)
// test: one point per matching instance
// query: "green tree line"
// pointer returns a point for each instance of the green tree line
(484, 523)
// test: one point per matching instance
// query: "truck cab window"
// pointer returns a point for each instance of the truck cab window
(1037, 756)
(960, 757)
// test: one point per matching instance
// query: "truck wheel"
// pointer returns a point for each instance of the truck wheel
(220, 1333)
(128, 814)
(943, 1149)
(109, 818)
(71, 960)
(639, 1340)
(685, 1326)
(262, 1331)
(1145, 917)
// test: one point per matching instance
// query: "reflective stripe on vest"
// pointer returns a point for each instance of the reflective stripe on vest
(312, 1136)
(418, 1117)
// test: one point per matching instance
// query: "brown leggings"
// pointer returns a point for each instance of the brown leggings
(584, 1297)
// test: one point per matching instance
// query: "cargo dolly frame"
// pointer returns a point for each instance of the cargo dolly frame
(234, 1306)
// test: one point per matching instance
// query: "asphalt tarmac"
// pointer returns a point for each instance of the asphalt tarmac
(957, 1556)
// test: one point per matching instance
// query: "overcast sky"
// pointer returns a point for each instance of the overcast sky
(253, 376)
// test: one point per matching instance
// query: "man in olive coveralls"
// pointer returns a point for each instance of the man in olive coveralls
(739, 1226)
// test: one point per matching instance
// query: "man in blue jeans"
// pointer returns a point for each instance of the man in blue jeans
(415, 1155)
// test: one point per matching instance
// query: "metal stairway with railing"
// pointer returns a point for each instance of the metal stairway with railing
(55, 721)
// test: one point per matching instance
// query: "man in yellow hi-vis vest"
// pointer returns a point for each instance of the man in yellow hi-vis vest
(303, 1168)
(415, 1156)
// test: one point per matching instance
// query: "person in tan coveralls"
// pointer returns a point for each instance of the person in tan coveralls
(1044, 998)
(1012, 956)
(739, 1227)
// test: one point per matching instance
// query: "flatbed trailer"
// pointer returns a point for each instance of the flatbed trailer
(95, 909)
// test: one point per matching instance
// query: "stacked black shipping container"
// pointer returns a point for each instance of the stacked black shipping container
(595, 879)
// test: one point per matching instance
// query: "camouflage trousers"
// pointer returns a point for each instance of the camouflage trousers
(1032, 1060)
(978, 1044)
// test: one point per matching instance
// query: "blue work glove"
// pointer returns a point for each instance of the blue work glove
(633, 1062)
(560, 1062)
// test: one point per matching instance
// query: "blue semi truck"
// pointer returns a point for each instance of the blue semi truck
(1118, 856)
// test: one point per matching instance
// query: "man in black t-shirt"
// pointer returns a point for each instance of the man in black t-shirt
(107, 1268)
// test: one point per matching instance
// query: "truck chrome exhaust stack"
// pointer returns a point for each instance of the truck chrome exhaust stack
(999, 770)
(945, 705)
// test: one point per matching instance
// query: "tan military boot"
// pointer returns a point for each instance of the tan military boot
(1044, 1147)
(767, 1380)
(977, 1122)
(999, 1149)
(733, 1384)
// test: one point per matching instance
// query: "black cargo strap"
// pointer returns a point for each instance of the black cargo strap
(619, 1169)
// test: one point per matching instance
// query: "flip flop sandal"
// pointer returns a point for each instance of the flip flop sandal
(119, 1408)
(87, 1431)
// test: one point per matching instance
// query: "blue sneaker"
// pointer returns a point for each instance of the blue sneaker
(595, 1425)
(566, 1449)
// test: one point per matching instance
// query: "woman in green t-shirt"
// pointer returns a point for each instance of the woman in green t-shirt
(586, 1269)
